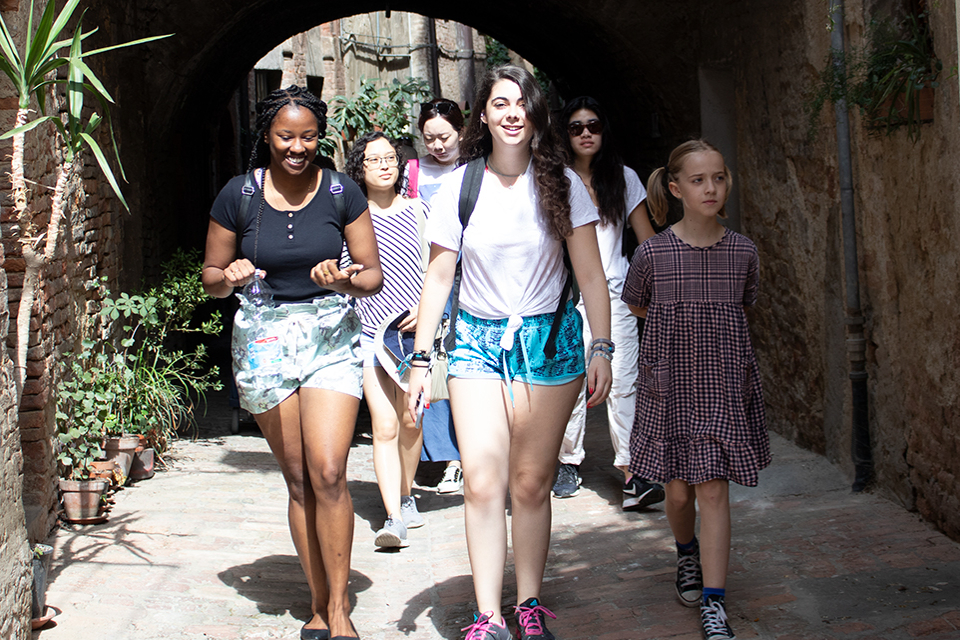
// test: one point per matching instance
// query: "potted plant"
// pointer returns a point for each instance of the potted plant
(85, 403)
(161, 378)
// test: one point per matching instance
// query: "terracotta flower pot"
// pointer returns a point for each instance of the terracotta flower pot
(81, 499)
(108, 470)
(142, 465)
(122, 449)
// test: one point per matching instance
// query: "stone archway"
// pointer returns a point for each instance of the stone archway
(172, 95)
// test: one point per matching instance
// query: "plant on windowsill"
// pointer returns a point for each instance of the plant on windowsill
(891, 79)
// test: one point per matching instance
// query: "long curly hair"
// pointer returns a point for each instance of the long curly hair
(354, 165)
(606, 165)
(552, 185)
(267, 110)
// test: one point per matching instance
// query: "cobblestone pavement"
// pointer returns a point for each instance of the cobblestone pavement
(202, 550)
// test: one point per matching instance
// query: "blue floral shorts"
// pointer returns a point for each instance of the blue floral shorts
(512, 348)
(314, 345)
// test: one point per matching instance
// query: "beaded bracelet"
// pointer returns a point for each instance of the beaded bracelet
(419, 356)
(602, 354)
(604, 344)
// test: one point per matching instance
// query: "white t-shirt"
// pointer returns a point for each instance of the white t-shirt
(430, 176)
(610, 237)
(512, 265)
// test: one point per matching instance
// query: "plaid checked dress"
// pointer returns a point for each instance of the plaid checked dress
(700, 412)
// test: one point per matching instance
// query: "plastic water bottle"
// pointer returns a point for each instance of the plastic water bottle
(264, 349)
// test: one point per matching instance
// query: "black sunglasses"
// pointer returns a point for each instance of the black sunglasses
(443, 108)
(576, 127)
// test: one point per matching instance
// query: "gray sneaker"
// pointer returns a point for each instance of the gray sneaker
(568, 481)
(392, 535)
(484, 629)
(408, 511)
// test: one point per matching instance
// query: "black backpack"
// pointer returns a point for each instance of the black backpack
(469, 192)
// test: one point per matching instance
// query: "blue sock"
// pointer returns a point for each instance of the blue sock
(707, 591)
(687, 549)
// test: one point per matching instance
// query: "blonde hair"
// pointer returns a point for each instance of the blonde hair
(658, 189)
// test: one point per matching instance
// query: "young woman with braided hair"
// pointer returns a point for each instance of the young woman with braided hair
(293, 234)
(511, 400)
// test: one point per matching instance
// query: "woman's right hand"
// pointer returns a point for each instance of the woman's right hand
(240, 272)
(419, 384)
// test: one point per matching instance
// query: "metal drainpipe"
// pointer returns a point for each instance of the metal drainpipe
(856, 344)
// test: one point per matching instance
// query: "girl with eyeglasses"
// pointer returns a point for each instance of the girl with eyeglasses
(619, 195)
(293, 232)
(511, 400)
(374, 163)
(441, 127)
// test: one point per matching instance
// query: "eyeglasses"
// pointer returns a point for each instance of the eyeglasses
(374, 162)
(443, 108)
(576, 127)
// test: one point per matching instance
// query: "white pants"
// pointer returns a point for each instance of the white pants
(621, 403)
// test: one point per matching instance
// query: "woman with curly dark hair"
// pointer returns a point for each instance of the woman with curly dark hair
(374, 163)
(297, 361)
(514, 376)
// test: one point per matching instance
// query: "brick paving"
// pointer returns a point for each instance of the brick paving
(202, 550)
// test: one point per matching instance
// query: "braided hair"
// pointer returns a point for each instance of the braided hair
(269, 107)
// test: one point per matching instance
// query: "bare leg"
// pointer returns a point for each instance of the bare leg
(681, 510)
(714, 499)
(328, 419)
(539, 418)
(386, 448)
(281, 428)
(480, 413)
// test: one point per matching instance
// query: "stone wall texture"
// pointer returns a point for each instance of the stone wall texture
(645, 62)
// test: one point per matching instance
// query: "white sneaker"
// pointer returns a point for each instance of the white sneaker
(408, 511)
(393, 534)
(452, 480)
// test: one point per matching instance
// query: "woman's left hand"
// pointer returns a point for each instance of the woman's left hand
(599, 380)
(409, 323)
(328, 275)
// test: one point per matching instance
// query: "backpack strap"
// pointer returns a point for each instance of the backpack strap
(336, 189)
(469, 193)
(247, 192)
(550, 347)
(413, 176)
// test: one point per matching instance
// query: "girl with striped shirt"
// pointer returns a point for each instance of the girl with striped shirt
(374, 163)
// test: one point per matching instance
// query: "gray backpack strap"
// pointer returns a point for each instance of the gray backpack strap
(469, 193)
(246, 197)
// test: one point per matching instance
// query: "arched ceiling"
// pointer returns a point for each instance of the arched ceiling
(638, 58)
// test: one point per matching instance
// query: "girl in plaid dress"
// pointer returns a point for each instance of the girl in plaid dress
(700, 420)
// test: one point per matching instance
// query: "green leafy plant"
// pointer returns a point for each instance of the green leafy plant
(86, 409)
(164, 383)
(884, 78)
(141, 384)
(371, 108)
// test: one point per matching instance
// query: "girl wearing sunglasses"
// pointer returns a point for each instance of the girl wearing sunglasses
(511, 400)
(620, 198)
